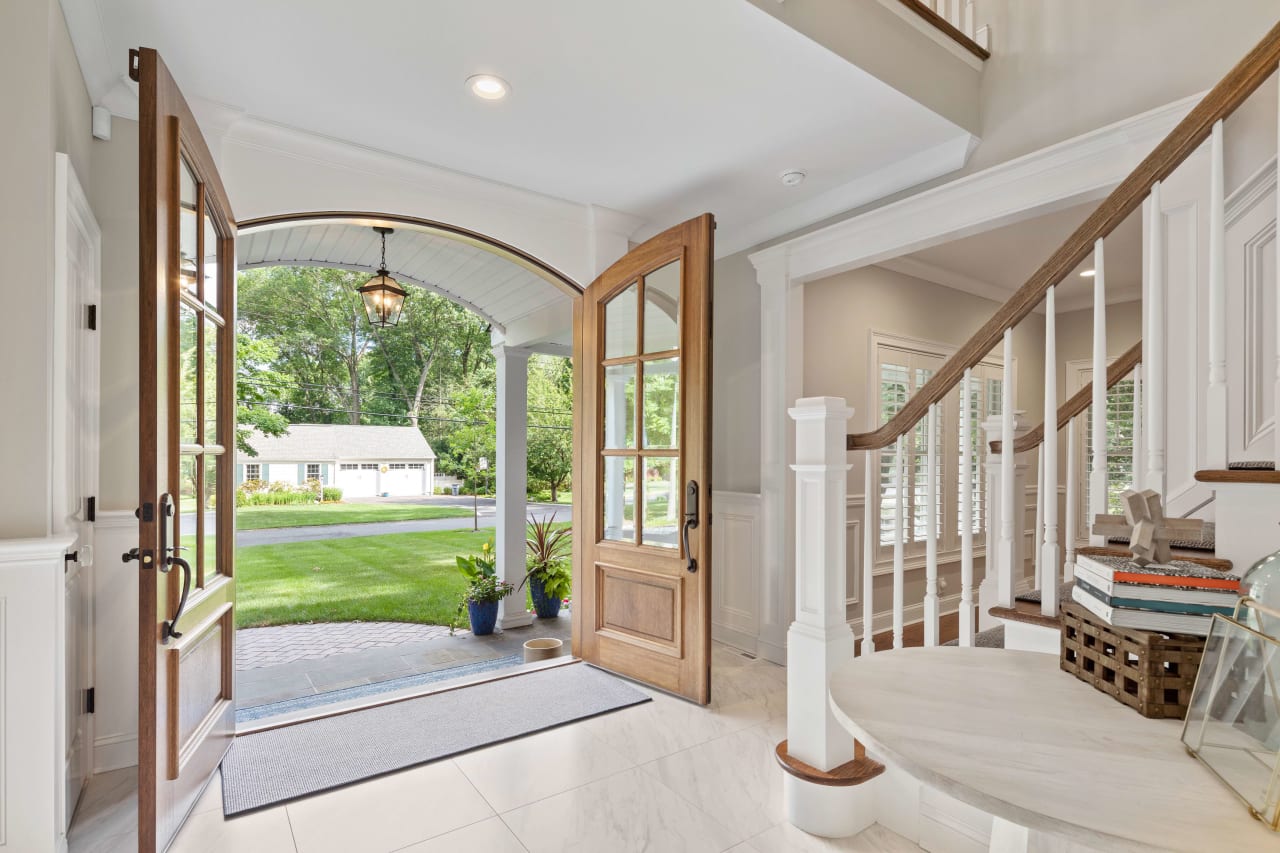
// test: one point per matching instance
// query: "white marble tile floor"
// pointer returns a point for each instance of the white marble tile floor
(664, 776)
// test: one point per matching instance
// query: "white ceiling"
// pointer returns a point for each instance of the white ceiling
(995, 263)
(661, 109)
(499, 287)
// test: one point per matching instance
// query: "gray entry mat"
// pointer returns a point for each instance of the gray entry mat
(293, 761)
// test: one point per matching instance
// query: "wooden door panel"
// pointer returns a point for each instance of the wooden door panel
(187, 426)
(642, 364)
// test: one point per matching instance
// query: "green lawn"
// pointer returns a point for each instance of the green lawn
(307, 515)
(400, 577)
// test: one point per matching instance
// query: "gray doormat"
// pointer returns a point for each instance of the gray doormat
(290, 762)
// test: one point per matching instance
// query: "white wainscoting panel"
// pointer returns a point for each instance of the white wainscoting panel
(32, 711)
(735, 571)
(115, 643)
(1251, 317)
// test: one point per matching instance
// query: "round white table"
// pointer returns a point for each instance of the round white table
(1010, 734)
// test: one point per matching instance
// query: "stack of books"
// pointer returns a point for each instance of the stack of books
(1178, 597)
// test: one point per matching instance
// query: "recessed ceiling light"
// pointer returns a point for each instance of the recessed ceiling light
(792, 177)
(488, 86)
(1088, 274)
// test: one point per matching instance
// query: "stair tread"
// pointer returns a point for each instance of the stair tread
(1025, 611)
(1238, 475)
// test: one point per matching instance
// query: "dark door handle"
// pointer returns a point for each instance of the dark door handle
(690, 521)
(170, 629)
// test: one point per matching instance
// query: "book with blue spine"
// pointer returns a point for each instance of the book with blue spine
(1158, 606)
(1223, 598)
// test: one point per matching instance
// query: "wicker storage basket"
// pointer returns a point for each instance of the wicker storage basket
(1151, 673)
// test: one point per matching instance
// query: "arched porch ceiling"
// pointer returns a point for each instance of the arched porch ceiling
(497, 282)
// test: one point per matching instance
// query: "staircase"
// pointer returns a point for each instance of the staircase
(1002, 611)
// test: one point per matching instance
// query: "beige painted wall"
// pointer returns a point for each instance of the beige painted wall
(1060, 69)
(48, 110)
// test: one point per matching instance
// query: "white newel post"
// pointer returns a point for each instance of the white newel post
(820, 639)
(512, 477)
(998, 582)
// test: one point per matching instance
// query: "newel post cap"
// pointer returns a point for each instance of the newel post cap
(820, 408)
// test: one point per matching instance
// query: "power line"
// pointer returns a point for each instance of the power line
(440, 400)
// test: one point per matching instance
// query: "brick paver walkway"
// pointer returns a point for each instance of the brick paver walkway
(260, 647)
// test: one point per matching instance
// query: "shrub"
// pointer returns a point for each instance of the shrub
(331, 494)
(258, 493)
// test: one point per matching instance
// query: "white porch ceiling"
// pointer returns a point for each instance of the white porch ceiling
(662, 109)
(995, 263)
(498, 287)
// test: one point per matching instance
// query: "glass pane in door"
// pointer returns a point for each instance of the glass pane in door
(620, 406)
(621, 324)
(662, 403)
(660, 524)
(210, 263)
(188, 228)
(211, 330)
(619, 507)
(188, 375)
(662, 309)
(209, 557)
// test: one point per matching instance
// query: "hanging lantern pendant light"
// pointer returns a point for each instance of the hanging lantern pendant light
(383, 296)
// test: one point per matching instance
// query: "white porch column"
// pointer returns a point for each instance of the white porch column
(998, 584)
(781, 383)
(512, 477)
(819, 639)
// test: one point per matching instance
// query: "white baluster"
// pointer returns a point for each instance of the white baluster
(1069, 566)
(870, 536)
(969, 27)
(1138, 440)
(1098, 414)
(1049, 453)
(966, 512)
(1009, 505)
(931, 533)
(1155, 360)
(1216, 401)
(1277, 319)
(1037, 538)
(899, 535)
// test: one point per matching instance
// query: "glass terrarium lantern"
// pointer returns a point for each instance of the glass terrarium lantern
(1233, 722)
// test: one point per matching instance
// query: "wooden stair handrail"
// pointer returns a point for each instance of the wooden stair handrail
(1079, 401)
(947, 28)
(1224, 99)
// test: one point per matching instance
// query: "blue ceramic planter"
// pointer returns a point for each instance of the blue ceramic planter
(483, 616)
(546, 606)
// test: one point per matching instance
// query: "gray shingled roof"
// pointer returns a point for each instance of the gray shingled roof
(323, 442)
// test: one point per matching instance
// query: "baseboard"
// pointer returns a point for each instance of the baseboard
(911, 614)
(771, 651)
(114, 752)
(950, 826)
(734, 637)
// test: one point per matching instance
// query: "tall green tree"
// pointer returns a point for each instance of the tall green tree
(550, 441)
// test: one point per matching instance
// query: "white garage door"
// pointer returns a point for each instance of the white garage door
(403, 479)
(358, 481)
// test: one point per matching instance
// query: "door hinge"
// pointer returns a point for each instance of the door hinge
(91, 508)
(89, 700)
(91, 317)
(135, 65)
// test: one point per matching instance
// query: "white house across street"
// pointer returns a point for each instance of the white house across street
(363, 461)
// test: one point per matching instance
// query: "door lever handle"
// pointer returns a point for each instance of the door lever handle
(690, 521)
(169, 630)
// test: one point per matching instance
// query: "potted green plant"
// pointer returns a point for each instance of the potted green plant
(484, 590)
(549, 575)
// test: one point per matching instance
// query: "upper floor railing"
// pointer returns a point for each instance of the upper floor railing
(956, 19)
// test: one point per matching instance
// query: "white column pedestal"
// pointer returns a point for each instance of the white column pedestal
(512, 479)
(828, 811)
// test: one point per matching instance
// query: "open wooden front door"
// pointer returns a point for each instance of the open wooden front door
(642, 499)
(186, 630)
